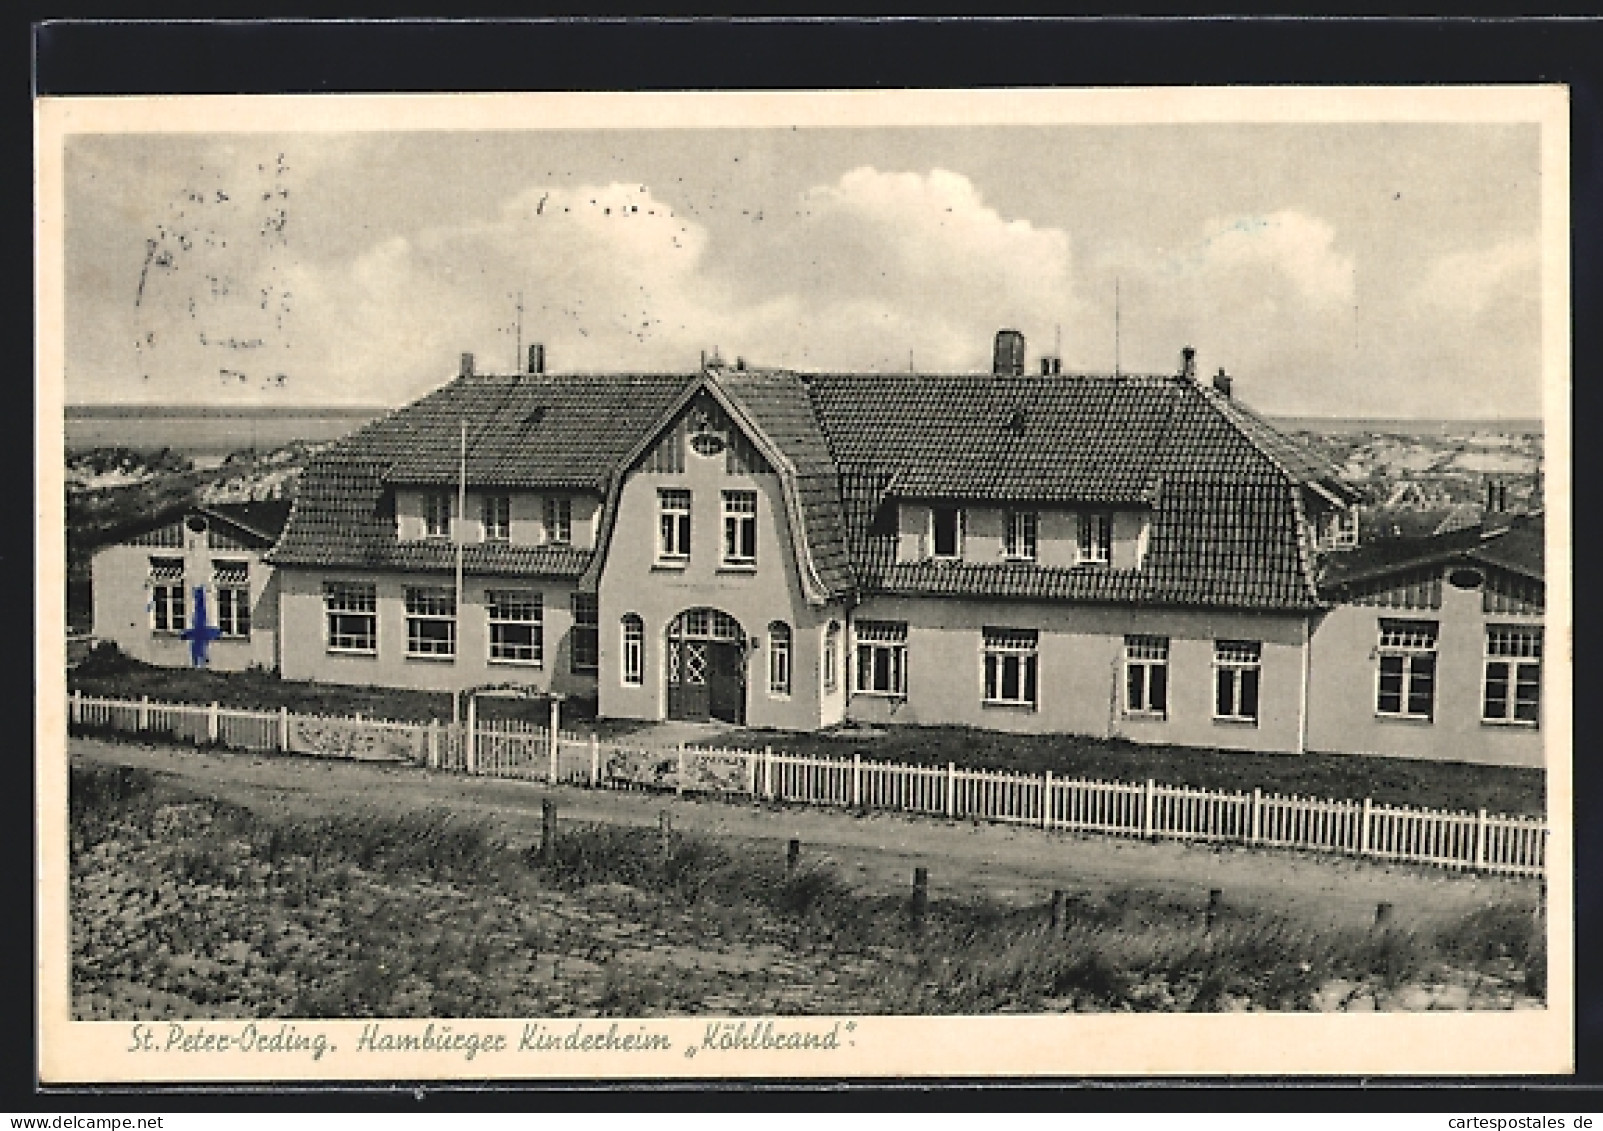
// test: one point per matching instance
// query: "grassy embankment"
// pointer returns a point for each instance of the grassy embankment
(185, 905)
(1390, 781)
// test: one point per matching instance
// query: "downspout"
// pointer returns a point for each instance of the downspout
(1307, 677)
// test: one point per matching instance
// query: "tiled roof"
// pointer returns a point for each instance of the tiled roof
(1220, 485)
(1225, 519)
(1300, 461)
(980, 436)
(1517, 547)
(778, 404)
(265, 517)
(523, 430)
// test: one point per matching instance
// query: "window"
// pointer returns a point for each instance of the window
(1096, 539)
(882, 657)
(1237, 666)
(430, 622)
(1018, 535)
(740, 528)
(437, 514)
(496, 513)
(1010, 660)
(946, 532)
(167, 594)
(673, 508)
(832, 656)
(516, 631)
(634, 650)
(778, 658)
(351, 610)
(1405, 686)
(232, 582)
(1513, 689)
(586, 634)
(558, 522)
(1146, 675)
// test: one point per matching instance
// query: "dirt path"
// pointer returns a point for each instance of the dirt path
(878, 852)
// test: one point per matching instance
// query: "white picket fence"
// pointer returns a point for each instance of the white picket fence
(507, 749)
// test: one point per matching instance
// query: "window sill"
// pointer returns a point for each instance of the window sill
(1013, 559)
(1008, 705)
(881, 694)
(1149, 717)
(502, 662)
(675, 564)
(1521, 724)
(371, 653)
(1407, 720)
(584, 671)
(1233, 722)
(737, 567)
(432, 657)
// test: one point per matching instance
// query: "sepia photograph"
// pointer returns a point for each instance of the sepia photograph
(804, 584)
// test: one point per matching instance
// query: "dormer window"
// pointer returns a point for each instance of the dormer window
(1019, 535)
(558, 522)
(437, 514)
(1096, 539)
(497, 516)
(946, 532)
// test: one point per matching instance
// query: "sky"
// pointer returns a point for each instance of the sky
(1367, 269)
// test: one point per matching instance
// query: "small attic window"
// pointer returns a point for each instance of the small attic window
(1015, 422)
(535, 415)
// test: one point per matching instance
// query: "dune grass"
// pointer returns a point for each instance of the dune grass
(185, 905)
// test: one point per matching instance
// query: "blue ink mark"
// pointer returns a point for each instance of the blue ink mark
(201, 636)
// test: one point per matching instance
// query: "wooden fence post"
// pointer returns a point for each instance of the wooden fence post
(951, 790)
(1214, 896)
(283, 729)
(595, 761)
(1480, 841)
(921, 896)
(434, 744)
(1146, 810)
(548, 832)
(1364, 830)
(212, 722)
(768, 772)
(1046, 800)
(553, 746)
(1382, 915)
(75, 708)
(679, 773)
(1257, 815)
(1060, 912)
(792, 856)
(857, 779)
(142, 721)
(470, 758)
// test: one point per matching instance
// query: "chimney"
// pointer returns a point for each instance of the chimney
(1008, 358)
(467, 365)
(1188, 363)
(1221, 381)
(740, 363)
(1496, 496)
(1057, 366)
(537, 358)
(1046, 367)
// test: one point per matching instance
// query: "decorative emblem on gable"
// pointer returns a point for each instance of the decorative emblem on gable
(707, 436)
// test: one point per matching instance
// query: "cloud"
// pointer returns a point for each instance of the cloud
(1257, 253)
(1465, 283)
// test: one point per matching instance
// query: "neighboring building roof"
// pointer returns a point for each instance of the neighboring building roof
(1517, 547)
(261, 522)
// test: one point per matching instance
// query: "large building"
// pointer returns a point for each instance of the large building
(1135, 556)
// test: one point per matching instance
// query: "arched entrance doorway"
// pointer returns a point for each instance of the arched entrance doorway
(706, 667)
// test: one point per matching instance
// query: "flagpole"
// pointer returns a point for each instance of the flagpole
(456, 536)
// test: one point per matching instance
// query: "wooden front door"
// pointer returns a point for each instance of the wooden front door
(706, 667)
(726, 682)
